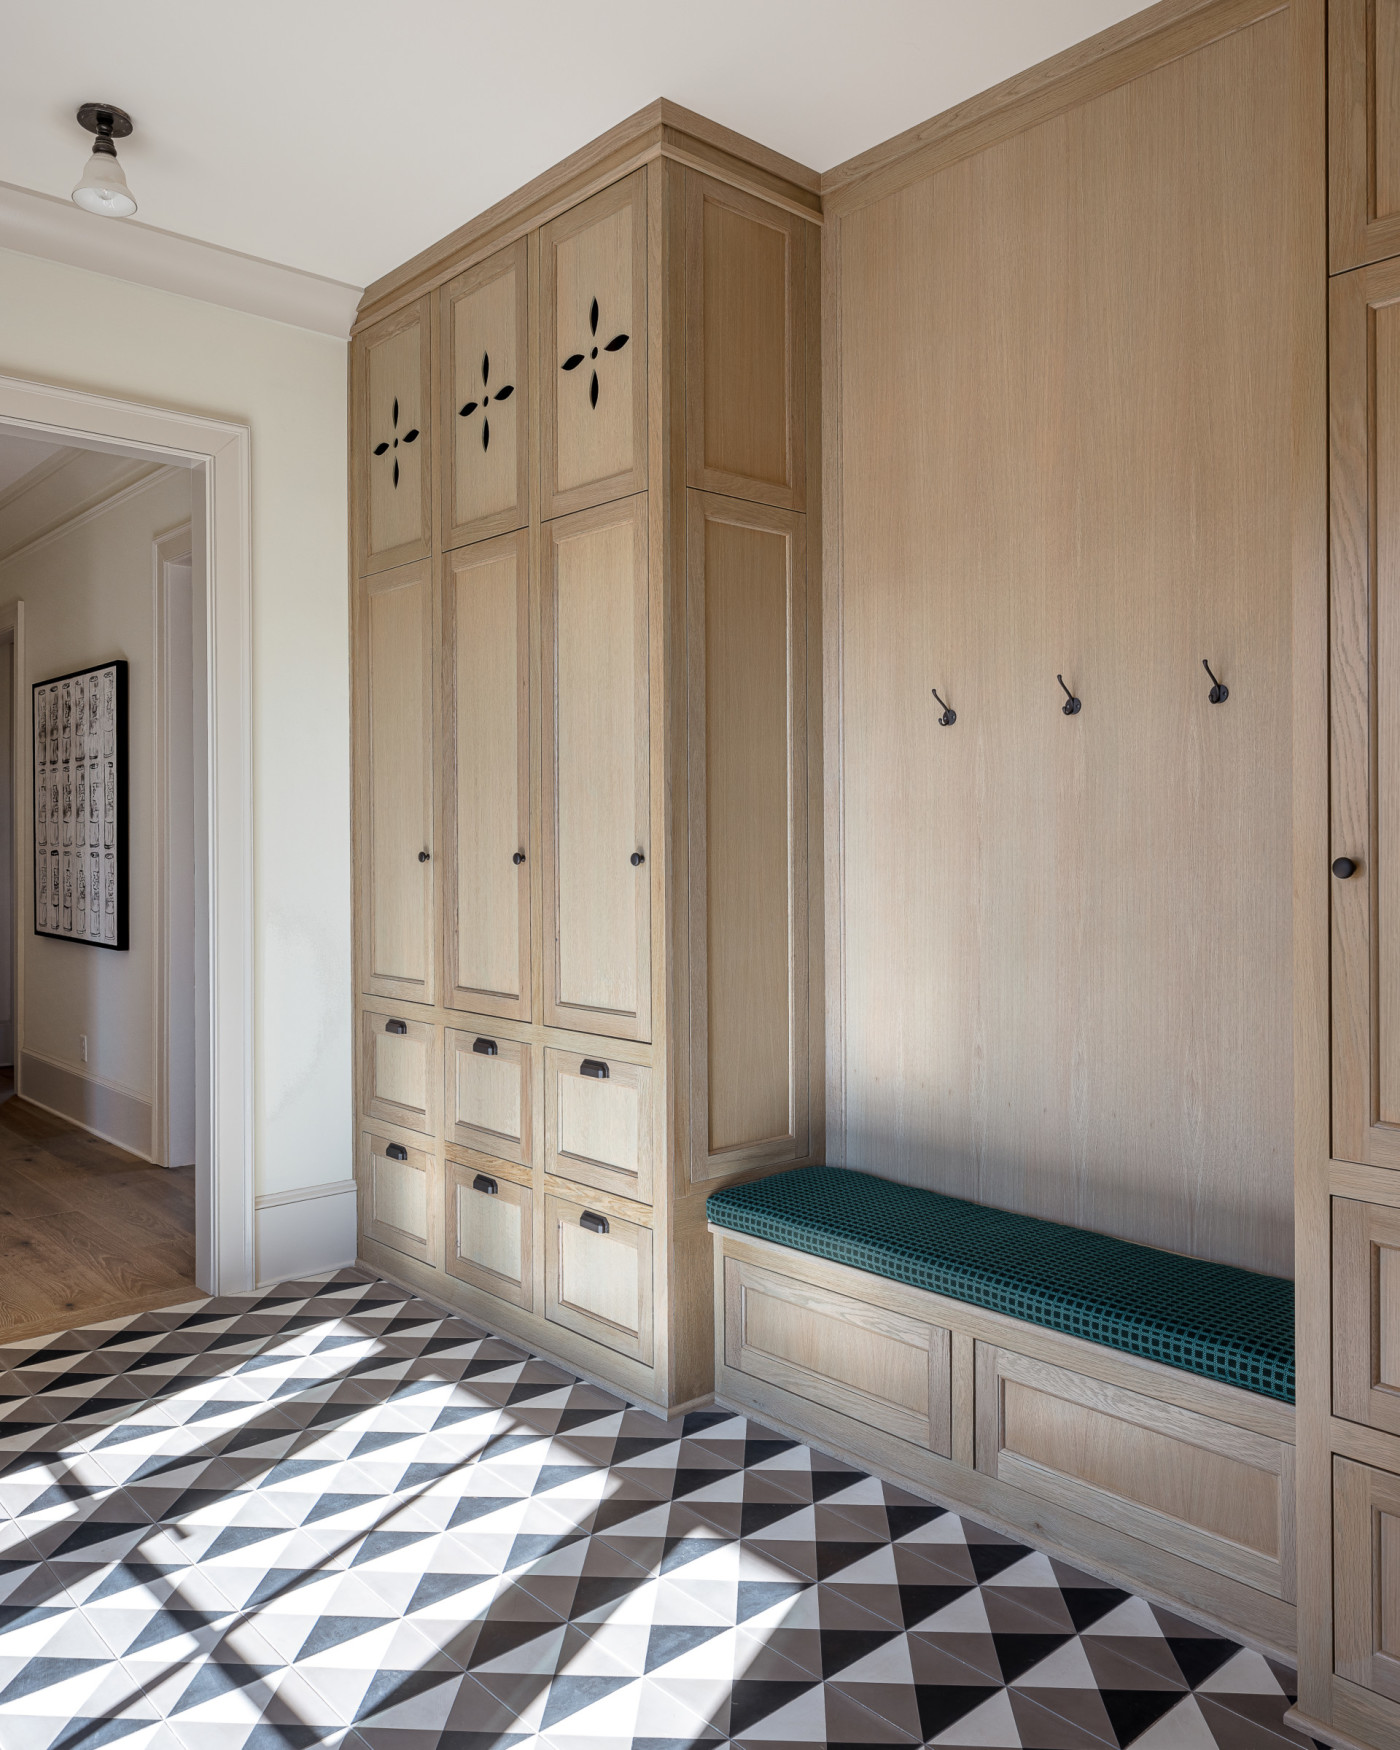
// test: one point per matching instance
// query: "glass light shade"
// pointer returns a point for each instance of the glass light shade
(103, 188)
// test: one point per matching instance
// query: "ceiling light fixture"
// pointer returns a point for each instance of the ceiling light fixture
(103, 187)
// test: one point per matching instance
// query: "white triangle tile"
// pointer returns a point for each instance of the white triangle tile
(802, 1721)
(992, 1724)
(966, 1615)
(1183, 1728)
(537, 1657)
(1066, 1668)
(1031, 1570)
(1247, 1673)
(889, 1664)
(1132, 1617)
(876, 1569)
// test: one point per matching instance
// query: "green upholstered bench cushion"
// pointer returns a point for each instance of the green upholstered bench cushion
(1212, 1319)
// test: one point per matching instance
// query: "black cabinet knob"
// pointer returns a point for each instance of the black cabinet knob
(637, 859)
(518, 858)
(422, 856)
(1344, 868)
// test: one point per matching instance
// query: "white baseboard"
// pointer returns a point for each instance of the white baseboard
(109, 1112)
(305, 1232)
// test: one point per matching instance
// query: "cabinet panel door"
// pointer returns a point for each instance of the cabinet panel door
(486, 733)
(596, 773)
(399, 1070)
(394, 782)
(1366, 1313)
(1363, 71)
(598, 1277)
(745, 345)
(1365, 612)
(397, 1204)
(750, 1019)
(1366, 1582)
(593, 350)
(597, 1120)
(489, 1094)
(490, 1229)
(393, 439)
(485, 438)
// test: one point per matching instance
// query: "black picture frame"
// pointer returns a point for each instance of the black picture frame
(81, 778)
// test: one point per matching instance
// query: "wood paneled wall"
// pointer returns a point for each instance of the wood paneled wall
(1060, 367)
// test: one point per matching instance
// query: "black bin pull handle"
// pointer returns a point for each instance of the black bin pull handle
(396, 1152)
(596, 1224)
(396, 1026)
(485, 1185)
(595, 1067)
(485, 1047)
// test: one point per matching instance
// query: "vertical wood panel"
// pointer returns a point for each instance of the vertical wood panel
(1364, 130)
(393, 464)
(484, 405)
(1366, 1509)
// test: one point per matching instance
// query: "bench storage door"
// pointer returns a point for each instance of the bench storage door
(879, 1367)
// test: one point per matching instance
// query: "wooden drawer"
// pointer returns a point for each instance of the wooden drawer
(599, 1283)
(1366, 1313)
(488, 1094)
(597, 1122)
(864, 1361)
(399, 1077)
(489, 1227)
(397, 1205)
(1181, 1481)
(1366, 1575)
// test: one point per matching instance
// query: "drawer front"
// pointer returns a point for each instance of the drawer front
(1212, 1493)
(489, 1228)
(599, 1284)
(397, 1205)
(1366, 1313)
(488, 1094)
(1366, 1579)
(598, 1125)
(399, 1071)
(884, 1369)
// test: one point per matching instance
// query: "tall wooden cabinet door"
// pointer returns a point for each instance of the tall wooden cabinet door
(486, 742)
(393, 439)
(597, 799)
(1366, 1583)
(484, 440)
(394, 783)
(745, 345)
(747, 732)
(1363, 124)
(593, 350)
(1365, 616)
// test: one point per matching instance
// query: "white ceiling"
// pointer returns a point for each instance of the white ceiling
(20, 456)
(342, 136)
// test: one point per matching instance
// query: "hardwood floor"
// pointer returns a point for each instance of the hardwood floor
(87, 1231)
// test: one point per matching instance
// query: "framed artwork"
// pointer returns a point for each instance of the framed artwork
(80, 807)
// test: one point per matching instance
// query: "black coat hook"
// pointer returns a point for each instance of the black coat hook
(950, 716)
(1071, 704)
(1219, 693)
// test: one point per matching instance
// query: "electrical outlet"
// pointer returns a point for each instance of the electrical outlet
(82, 1045)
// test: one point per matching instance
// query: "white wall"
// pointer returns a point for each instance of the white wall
(7, 1026)
(87, 331)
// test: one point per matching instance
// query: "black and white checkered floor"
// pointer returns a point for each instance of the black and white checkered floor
(328, 1515)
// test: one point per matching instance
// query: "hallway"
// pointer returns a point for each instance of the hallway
(87, 1231)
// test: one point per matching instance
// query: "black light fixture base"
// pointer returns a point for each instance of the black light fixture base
(105, 118)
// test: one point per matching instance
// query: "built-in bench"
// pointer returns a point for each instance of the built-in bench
(1129, 1407)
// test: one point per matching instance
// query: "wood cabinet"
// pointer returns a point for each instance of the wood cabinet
(1363, 111)
(391, 438)
(1366, 1559)
(589, 697)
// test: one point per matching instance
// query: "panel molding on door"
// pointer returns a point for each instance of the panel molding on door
(486, 784)
(400, 1077)
(1366, 1583)
(598, 1280)
(1363, 131)
(1365, 625)
(397, 1205)
(394, 783)
(746, 345)
(593, 350)
(1366, 1313)
(597, 1123)
(747, 736)
(597, 797)
(489, 1099)
(393, 440)
(489, 1228)
(484, 442)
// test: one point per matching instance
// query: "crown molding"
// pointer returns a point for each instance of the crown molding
(129, 484)
(41, 224)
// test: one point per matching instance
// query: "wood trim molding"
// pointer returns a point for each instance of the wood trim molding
(305, 1193)
(116, 492)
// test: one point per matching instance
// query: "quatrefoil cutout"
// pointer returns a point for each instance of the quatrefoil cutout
(487, 396)
(393, 443)
(574, 360)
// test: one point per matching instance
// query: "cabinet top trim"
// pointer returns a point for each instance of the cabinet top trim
(662, 130)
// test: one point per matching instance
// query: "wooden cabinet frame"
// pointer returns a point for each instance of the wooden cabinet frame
(367, 476)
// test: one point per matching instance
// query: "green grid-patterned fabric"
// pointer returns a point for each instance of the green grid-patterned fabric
(1212, 1319)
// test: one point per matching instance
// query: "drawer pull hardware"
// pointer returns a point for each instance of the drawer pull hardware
(595, 1067)
(423, 856)
(637, 859)
(1344, 868)
(518, 858)
(596, 1224)
(1219, 692)
(484, 1047)
(396, 1152)
(1071, 704)
(482, 1183)
(396, 1026)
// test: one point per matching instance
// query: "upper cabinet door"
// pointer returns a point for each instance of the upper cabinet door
(393, 440)
(486, 739)
(1365, 623)
(394, 782)
(597, 801)
(593, 350)
(485, 437)
(745, 345)
(1363, 122)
